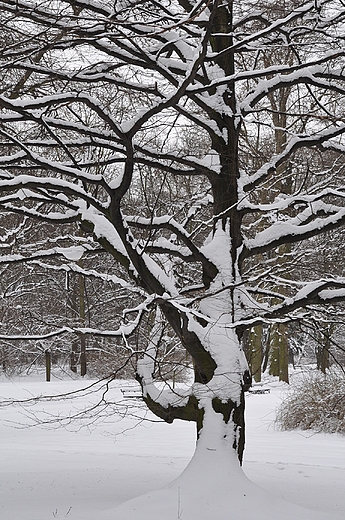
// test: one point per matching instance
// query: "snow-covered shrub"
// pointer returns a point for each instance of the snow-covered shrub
(315, 401)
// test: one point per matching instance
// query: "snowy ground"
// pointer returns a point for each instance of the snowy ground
(83, 473)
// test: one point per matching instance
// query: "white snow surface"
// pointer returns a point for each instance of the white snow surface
(95, 472)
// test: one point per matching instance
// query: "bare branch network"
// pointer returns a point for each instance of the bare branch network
(200, 145)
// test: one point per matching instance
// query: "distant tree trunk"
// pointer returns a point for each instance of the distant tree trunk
(279, 333)
(48, 360)
(279, 352)
(83, 367)
(279, 346)
(323, 349)
(253, 349)
(74, 357)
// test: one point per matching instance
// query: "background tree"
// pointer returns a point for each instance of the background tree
(122, 81)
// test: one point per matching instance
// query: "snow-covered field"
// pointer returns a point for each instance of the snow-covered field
(82, 473)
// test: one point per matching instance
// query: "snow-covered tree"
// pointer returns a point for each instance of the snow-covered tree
(98, 138)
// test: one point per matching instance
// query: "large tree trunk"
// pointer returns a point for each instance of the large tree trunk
(221, 370)
(213, 486)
